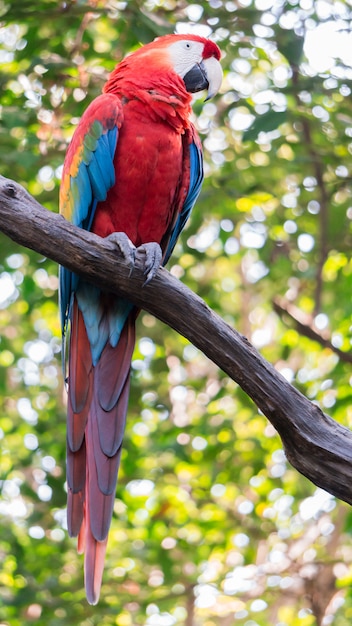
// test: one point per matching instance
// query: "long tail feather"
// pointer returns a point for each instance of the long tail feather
(94, 556)
(101, 502)
(76, 478)
(80, 366)
(97, 407)
(93, 568)
(79, 399)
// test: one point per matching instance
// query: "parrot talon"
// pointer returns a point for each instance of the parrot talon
(151, 261)
(126, 247)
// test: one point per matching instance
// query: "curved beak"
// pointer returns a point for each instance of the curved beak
(204, 75)
(214, 74)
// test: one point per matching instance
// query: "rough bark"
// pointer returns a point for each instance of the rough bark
(315, 444)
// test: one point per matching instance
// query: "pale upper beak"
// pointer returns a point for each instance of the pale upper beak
(204, 75)
(213, 71)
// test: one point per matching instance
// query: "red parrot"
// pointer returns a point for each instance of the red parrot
(132, 172)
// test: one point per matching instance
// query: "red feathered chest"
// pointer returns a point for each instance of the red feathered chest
(150, 176)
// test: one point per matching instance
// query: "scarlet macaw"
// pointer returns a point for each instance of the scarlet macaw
(132, 172)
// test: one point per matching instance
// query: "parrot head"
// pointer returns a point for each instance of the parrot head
(196, 61)
(192, 58)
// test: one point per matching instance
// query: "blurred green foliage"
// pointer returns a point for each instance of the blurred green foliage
(211, 526)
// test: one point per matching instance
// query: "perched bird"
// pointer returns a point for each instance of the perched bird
(132, 172)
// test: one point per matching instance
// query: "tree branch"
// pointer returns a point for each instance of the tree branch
(315, 445)
(304, 325)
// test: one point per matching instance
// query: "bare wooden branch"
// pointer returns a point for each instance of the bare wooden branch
(315, 445)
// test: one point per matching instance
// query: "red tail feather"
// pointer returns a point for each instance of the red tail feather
(97, 408)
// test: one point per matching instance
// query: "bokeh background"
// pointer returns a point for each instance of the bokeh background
(212, 526)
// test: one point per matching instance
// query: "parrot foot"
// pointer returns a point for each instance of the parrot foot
(126, 247)
(151, 259)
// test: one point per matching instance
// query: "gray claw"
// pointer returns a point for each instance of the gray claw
(126, 247)
(152, 259)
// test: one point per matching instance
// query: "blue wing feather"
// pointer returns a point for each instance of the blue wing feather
(195, 184)
(88, 185)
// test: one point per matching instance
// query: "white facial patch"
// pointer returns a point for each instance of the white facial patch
(185, 54)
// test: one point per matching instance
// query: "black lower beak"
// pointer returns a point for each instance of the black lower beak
(196, 79)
